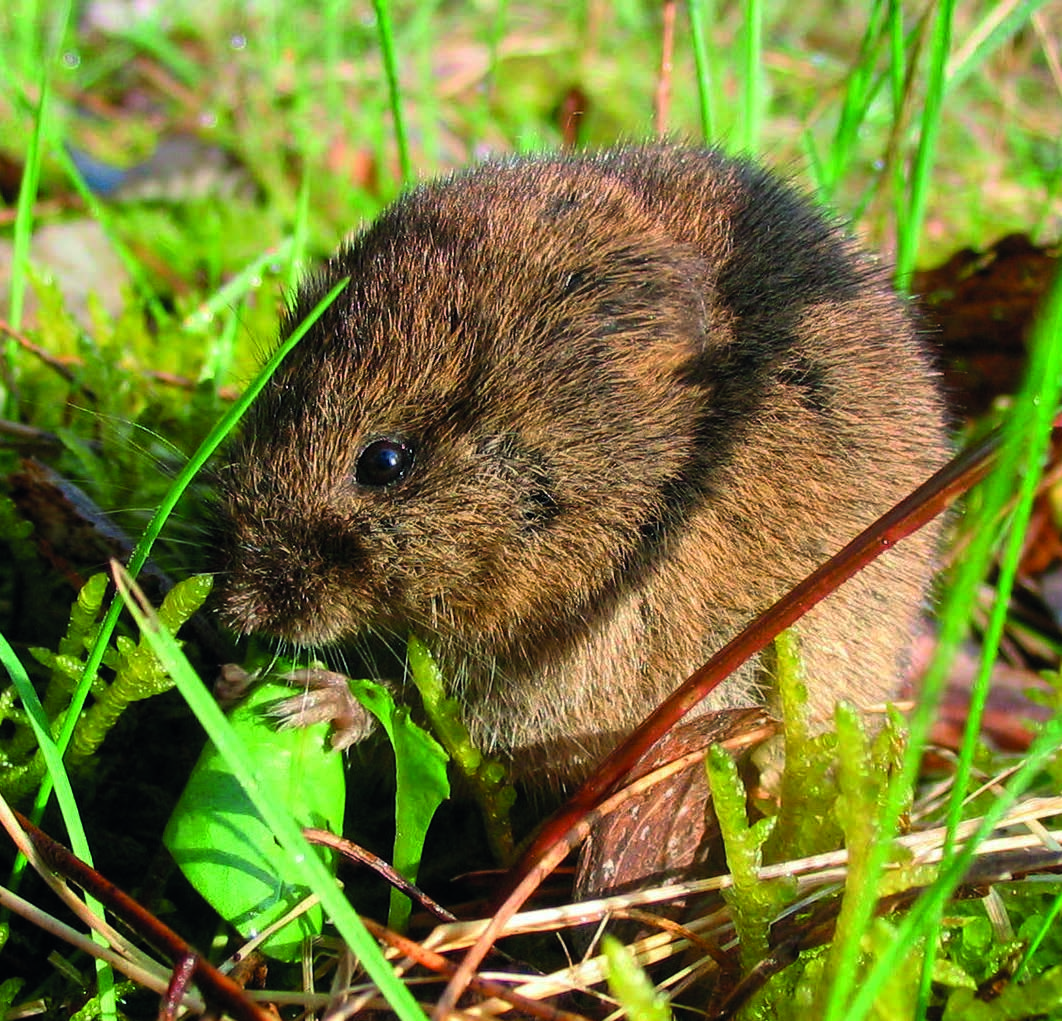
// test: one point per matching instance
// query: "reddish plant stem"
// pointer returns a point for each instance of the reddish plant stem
(663, 83)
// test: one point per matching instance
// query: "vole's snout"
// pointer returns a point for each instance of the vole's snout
(287, 607)
(263, 600)
(304, 590)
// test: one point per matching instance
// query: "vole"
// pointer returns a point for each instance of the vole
(574, 421)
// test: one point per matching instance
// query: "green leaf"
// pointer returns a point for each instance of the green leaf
(421, 785)
(223, 845)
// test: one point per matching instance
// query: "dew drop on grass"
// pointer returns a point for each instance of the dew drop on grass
(71, 60)
(238, 41)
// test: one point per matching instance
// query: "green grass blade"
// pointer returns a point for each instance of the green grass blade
(220, 350)
(699, 12)
(387, 52)
(53, 759)
(753, 91)
(862, 86)
(1010, 560)
(908, 239)
(1048, 923)
(27, 197)
(421, 28)
(103, 217)
(239, 286)
(68, 807)
(999, 24)
(300, 235)
(31, 172)
(151, 37)
(932, 902)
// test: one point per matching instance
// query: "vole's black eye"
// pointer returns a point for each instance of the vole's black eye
(384, 462)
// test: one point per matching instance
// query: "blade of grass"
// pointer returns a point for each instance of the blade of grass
(816, 169)
(1038, 937)
(898, 102)
(481, 114)
(1010, 559)
(699, 12)
(303, 859)
(753, 89)
(27, 24)
(68, 807)
(52, 751)
(1045, 377)
(299, 235)
(31, 172)
(863, 84)
(53, 759)
(236, 289)
(1001, 22)
(45, 132)
(1046, 383)
(495, 33)
(915, 199)
(914, 925)
(220, 350)
(150, 36)
(27, 198)
(420, 28)
(102, 216)
(387, 52)
(897, 60)
(332, 12)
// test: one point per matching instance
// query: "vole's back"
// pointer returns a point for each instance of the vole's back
(642, 393)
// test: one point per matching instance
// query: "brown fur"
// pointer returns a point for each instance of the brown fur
(648, 390)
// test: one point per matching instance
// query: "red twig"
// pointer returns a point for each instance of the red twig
(357, 853)
(662, 99)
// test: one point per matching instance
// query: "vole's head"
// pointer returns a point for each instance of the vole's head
(480, 433)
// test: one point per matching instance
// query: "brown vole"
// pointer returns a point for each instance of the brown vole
(574, 421)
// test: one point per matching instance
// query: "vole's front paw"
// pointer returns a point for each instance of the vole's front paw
(325, 696)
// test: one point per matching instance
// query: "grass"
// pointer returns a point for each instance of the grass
(935, 129)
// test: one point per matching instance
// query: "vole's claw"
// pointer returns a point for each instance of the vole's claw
(325, 697)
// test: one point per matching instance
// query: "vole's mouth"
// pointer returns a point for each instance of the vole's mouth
(250, 617)
(302, 611)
